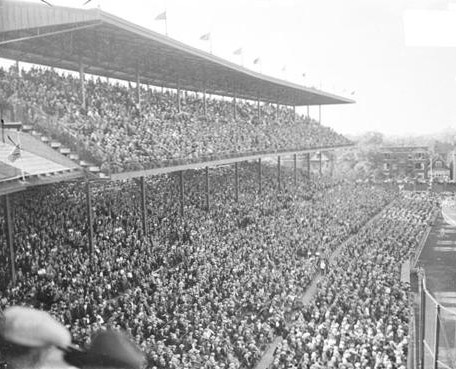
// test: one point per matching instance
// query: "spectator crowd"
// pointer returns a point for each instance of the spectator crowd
(208, 289)
(114, 131)
(360, 315)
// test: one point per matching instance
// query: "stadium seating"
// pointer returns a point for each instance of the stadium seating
(113, 132)
(207, 289)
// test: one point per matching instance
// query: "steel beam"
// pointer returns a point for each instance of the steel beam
(295, 173)
(181, 192)
(143, 204)
(278, 172)
(236, 182)
(206, 170)
(10, 238)
(259, 176)
(89, 217)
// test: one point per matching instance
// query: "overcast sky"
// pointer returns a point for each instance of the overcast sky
(399, 56)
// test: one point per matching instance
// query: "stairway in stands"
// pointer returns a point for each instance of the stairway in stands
(91, 168)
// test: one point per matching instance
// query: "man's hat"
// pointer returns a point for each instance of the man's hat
(107, 349)
(32, 328)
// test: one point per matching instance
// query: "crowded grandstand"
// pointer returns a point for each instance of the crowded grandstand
(209, 268)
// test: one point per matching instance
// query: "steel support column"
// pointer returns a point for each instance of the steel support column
(9, 237)
(321, 168)
(295, 173)
(181, 192)
(207, 189)
(258, 109)
(82, 84)
(138, 89)
(143, 204)
(294, 113)
(308, 111)
(308, 164)
(259, 176)
(236, 182)
(89, 217)
(422, 323)
(178, 97)
(234, 107)
(204, 102)
(278, 172)
(277, 112)
(437, 338)
(319, 114)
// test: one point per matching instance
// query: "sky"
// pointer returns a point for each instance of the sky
(398, 57)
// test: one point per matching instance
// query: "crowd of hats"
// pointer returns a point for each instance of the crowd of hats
(360, 315)
(113, 131)
(207, 288)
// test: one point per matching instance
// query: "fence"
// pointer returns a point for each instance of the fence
(437, 332)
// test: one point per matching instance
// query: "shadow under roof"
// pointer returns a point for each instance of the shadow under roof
(112, 47)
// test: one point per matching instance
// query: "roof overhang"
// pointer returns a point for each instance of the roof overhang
(113, 47)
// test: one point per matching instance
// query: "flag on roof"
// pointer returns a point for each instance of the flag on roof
(15, 154)
(256, 61)
(206, 37)
(161, 16)
(353, 92)
(238, 51)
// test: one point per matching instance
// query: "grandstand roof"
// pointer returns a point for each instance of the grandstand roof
(113, 47)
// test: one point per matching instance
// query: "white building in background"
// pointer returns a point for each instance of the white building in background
(440, 171)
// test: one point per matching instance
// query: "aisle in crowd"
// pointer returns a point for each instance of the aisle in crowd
(360, 315)
(209, 289)
(113, 131)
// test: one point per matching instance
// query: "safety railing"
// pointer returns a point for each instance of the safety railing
(437, 332)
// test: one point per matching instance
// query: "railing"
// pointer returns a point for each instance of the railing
(437, 332)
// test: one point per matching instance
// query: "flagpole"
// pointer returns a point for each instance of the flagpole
(166, 24)
(210, 42)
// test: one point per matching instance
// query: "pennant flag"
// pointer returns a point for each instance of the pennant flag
(238, 51)
(206, 37)
(15, 154)
(47, 3)
(353, 92)
(161, 16)
(256, 61)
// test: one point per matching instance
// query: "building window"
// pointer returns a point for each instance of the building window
(438, 164)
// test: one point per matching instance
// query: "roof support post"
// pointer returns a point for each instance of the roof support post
(331, 164)
(236, 182)
(143, 205)
(278, 172)
(204, 102)
(181, 192)
(319, 114)
(9, 237)
(18, 69)
(294, 113)
(178, 97)
(82, 84)
(295, 174)
(234, 107)
(277, 112)
(138, 90)
(89, 217)
(206, 172)
(321, 167)
(308, 112)
(258, 109)
(259, 176)
(308, 164)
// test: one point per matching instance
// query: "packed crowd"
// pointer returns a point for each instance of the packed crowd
(207, 289)
(359, 317)
(112, 130)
